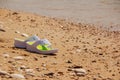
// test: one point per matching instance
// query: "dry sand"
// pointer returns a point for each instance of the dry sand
(80, 46)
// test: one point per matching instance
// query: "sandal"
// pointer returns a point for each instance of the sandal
(22, 43)
(42, 46)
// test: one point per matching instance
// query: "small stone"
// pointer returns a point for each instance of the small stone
(60, 73)
(3, 73)
(78, 50)
(77, 66)
(18, 76)
(45, 56)
(36, 59)
(6, 55)
(80, 74)
(15, 13)
(24, 35)
(32, 20)
(19, 69)
(44, 65)
(22, 67)
(10, 61)
(17, 32)
(3, 30)
(31, 74)
(61, 26)
(29, 70)
(69, 61)
(80, 70)
(18, 58)
(49, 74)
(94, 61)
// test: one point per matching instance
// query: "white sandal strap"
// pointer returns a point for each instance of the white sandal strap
(42, 42)
(32, 38)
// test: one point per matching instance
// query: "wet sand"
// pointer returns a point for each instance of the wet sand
(105, 13)
(81, 46)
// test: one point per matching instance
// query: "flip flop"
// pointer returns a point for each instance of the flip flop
(42, 46)
(22, 43)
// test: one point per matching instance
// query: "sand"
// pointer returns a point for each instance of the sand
(80, 46)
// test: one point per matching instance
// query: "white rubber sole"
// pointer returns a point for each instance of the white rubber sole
(19, 44)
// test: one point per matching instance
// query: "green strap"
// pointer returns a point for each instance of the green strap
(43, 47)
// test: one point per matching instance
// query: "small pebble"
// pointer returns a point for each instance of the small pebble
(22, 67)
(49, 74)
(80, 74)
(80, 71)
(29, 70)
(44, 65)
(15, 13)
(60, 73)
(19, 69)
(18, 76)
(77, 66)
(69, 61)
(31, 74)
(6, 55)
(17, 32)
(3, 30)
(61, 26)
(24, 35)
(3, 73)
(18, 58)
(10, 61)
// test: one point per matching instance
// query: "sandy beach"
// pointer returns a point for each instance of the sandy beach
(94, 51)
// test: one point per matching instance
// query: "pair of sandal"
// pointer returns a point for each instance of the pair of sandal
(35, 44)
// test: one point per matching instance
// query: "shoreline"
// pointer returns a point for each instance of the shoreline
(92, 49)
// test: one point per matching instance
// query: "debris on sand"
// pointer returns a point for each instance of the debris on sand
(79, 71)
(5, 55)
(18, 58)
(50, 74)
(24, 35)
(17, 31)
(17, 76)
(2, 30)
(4, 73)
